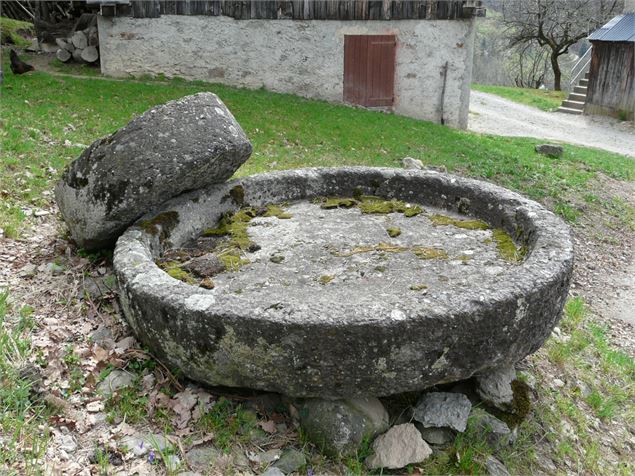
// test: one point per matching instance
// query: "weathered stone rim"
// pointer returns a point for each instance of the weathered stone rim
(528, 305)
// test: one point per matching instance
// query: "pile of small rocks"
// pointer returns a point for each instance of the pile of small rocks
(339, 427)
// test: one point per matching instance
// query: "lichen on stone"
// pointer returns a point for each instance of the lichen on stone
(444, 220)
(507, 249)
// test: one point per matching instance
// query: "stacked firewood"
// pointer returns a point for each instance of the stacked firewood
(82, 46)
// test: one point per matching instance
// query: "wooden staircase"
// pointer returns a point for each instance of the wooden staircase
(574, 104)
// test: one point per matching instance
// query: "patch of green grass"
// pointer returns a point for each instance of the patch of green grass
(41, 112)
(540, 98)
(355, 464)
(230, 423)
(127, 404)
(23, 417)
(13, 32)
(75, 68)
(585, 352)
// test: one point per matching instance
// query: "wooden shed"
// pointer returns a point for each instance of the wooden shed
(611, 88)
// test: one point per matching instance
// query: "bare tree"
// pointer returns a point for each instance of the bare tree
(556, 24)
(527, 65)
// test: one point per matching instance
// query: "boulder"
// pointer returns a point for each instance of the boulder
(398, 447)
(182, 145)
(437, 436)
(273, 471)
(552, 150)
(443, 410)
(290, 461)
(115, 380)
(495, 387)
(495, 467)
(201, 458)
(338, 427)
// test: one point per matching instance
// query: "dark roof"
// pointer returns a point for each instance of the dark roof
(620, 28)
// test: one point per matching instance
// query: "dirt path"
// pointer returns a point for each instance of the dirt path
(493, 114)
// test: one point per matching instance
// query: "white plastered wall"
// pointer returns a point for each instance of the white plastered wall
(298, 57)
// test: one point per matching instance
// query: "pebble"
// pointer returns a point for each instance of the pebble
(443, 410)
(94, 407)
(398, 447)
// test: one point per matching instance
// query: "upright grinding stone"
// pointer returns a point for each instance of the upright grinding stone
(182, 145)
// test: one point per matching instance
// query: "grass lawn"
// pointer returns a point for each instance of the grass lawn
(48, 120)
(542, 99)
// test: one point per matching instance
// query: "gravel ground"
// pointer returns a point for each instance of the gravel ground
(491, 114)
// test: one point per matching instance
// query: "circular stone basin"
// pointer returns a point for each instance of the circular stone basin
(414, 282)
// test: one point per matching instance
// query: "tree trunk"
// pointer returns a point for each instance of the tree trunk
(557, 74)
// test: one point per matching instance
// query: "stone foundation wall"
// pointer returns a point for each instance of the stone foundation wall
(299, 57)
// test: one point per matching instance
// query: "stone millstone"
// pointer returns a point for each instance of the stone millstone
(282, 328)
(182, 145)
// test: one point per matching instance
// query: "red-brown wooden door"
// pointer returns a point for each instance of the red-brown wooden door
(369, 70)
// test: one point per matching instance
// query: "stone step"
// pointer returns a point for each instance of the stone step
(573, 104)
(580, 90)
(577, 97)
(583, 82)
(569, 110)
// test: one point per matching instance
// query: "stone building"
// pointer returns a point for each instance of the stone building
(411, 57)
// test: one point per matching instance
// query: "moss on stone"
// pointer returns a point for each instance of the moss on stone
(393, 231)
(174, 270)
(507, 249)
(426, 253)
(412, 211)
(234, 225)
(334, 202)
(380, 206)
(163, 223)
(277, 211)
(325, 279)
(444, 220)
(370, 204)
(418, 287)
(520, 407)
(237, 194)
(420, 252)
(232, 262)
